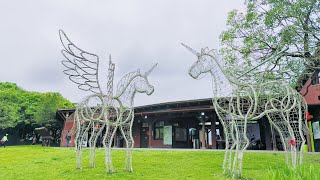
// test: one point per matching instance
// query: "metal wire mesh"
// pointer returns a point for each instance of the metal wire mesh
(238, 102)
(102, 112)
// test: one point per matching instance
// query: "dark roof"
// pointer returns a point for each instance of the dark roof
(175, 107)
(176, 102)
(61, 113)
(178, 108)
(44, 133)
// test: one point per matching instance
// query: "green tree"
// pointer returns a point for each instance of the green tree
(9, 105)
(9, 116)
(50, 103)
(22, 111)
(46, 114)
(291, 27)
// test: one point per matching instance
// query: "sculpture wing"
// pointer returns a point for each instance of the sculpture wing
(81, 66)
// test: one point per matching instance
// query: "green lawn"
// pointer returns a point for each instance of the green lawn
(36, 162)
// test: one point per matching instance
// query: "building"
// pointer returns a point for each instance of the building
(181, 124)
(311, 93)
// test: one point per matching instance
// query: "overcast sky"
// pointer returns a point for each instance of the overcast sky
(137, 33)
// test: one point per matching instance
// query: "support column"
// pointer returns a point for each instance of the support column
(203, 130)
(115, 142)
(150, 134)
(202, 118)
(213, 131)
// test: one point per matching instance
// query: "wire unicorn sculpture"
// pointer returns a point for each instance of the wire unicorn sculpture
(238, 102)
(102, 111)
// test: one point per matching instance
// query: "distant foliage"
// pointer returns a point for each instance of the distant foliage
(49, 103)
(20, 107)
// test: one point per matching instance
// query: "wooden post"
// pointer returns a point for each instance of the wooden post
(203, 139)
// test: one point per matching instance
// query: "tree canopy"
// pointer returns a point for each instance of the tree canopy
(18, 106)
(289, 27)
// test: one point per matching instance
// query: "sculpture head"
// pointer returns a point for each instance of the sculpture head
(134, 82)
(208, 61)
(142, 84)
(205, 62)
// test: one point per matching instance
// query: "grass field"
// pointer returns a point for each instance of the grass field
(36, 162)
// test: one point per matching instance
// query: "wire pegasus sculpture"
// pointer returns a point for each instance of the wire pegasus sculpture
(102, 112)
(238, 102)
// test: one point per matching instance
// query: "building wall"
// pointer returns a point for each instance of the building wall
(182, 115)
(136, 134)
(153, 143)
(315, 112)
(311, 93)
(68, 124)
(159, 144)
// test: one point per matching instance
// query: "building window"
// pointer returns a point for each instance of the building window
(181, 134)
(158, 130)
(316, 77)
(145, 124)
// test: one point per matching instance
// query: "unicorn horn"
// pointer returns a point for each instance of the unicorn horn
(148, 72)
(191, 50)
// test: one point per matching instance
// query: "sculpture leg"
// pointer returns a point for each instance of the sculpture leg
(303, 123)
(303, 126)
(281, 126)
(230, 146)
(229, 142)
(293, 135)
(82, 130)
(107, 142)
(227, 122)
(227, 154)
(78, 143)
(237, 147)
(96, 131)
(93, 141)
(92, 146)
(242, 144)
(293, 151)
(296, 118)
(126, 131)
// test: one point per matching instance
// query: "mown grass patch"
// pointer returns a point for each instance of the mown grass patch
(36, 162)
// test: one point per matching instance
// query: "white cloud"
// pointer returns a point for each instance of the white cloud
(136, 33)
